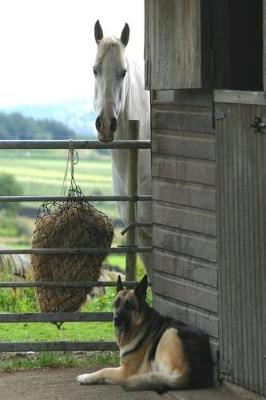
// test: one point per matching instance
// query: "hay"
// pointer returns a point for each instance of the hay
(62, 225)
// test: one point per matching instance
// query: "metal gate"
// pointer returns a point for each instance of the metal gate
(130, 249)
(241, 182)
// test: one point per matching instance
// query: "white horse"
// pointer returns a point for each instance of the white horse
(119, 97)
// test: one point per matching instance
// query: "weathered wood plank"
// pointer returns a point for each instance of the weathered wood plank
(56, 317)
(185, 267)
(57, 346)
(183, 243)
(176, 47)
(239, 97)
(186, 194)
(185, 218)
(192, 97)
(194, 171)
(186, 292)
(206, 321)
(183, 146)
(182, 121)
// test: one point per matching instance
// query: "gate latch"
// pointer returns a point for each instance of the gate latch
(258, 125)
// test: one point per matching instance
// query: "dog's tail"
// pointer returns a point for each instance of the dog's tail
(157, 382)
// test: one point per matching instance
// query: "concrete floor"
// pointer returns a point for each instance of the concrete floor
(60, 384)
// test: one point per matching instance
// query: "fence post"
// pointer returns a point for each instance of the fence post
(132, 205)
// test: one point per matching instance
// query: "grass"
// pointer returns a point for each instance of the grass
(48, 332)
(17, 362)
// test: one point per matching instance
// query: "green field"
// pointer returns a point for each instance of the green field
(42, 173)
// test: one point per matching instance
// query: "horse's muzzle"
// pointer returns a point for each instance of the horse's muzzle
(106, 128)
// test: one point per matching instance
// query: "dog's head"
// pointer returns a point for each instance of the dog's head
(130, 305)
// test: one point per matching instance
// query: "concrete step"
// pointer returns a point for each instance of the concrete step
(210, 394)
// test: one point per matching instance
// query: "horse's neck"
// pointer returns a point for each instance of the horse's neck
(136, 105)
(136, 108)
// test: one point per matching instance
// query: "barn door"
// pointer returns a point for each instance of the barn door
(177, 44)
(241, 189)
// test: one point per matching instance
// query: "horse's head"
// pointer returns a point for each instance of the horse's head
(110, 71)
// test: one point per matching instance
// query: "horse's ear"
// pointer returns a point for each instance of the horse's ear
(119, 285)
(98, 32)
(125, 35)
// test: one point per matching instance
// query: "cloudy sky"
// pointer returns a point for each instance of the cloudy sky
(47, 47)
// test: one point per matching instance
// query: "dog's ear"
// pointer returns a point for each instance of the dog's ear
(98, 32)
(119, 285)
(141, 289)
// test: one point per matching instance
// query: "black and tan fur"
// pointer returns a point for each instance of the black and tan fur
(157, 353)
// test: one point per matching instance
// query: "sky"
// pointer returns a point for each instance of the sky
(47, 47)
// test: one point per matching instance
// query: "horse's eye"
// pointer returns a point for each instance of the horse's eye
(95, 71)
(124, 73)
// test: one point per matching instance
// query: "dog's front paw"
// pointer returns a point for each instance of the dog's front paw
(129, 384)
(84, 379)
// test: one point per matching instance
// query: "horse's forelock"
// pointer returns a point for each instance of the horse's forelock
(105, 45)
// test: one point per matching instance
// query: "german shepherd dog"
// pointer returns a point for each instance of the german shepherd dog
(156, 352)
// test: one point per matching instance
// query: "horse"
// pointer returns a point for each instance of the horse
(119, 96)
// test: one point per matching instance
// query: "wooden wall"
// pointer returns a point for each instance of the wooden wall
(184, 208)
(177, 44)
(241, 198)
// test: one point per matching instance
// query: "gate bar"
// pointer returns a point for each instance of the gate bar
(57, 346)
(77, 144)
(79, 251)
(5, 199)
(77, 284)
(56, 317)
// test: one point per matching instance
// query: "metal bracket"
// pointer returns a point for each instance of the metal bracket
(219, 115)
(135, 224)
(258, 125)
(224, 369)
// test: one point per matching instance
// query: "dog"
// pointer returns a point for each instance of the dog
(156, 352)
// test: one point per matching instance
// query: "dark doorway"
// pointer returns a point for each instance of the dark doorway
(238, 44)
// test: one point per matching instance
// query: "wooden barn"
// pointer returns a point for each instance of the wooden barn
(206, 70)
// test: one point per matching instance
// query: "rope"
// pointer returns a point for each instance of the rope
(72, 160)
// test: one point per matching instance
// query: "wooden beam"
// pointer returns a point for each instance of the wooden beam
(57, 346)
(56, 317)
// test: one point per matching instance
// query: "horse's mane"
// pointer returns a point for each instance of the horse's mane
(137, 96)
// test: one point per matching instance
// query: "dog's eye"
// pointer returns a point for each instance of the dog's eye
(116, 303)
(127, 305)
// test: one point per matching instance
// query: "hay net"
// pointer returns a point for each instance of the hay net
(72, 223)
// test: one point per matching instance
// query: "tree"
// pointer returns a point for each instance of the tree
(17, 127)
(9, 187)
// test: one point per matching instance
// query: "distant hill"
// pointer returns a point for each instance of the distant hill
(77, 115)
(15, 126)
